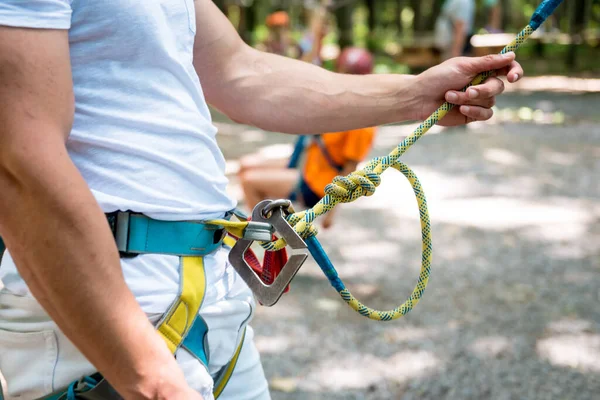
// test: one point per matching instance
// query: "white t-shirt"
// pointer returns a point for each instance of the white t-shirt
(142, 137)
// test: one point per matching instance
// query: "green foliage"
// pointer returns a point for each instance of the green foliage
(398, 21)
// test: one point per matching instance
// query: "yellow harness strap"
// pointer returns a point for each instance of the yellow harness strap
(222, 380)
(236, 228)
(174, 327)
(178, 320)
(181, 315)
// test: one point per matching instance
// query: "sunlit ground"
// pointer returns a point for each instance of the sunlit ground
(511, 310)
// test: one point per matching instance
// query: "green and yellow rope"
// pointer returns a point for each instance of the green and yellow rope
(345, 189)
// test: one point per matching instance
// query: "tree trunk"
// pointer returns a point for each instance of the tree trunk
(343, 15)
(247, 22)
(576, 31)
(399, 6)
(372, 24)
(587, 12)
(435, 13)
(418, 22)
(506, 14)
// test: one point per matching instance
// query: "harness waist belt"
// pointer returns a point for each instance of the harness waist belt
(139, 234)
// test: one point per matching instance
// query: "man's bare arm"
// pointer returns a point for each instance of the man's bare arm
(55, 230)
(285, 95)
(281, 94)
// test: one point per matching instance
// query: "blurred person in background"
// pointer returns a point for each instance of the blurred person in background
(325, 156)
(311, 43)
(279, 40)
(454, 28)
(494, 9)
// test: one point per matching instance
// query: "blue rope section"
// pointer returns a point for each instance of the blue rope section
(318, 253)
(298, 150)
(544, 10)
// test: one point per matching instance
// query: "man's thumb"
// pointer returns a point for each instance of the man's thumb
(490, 62)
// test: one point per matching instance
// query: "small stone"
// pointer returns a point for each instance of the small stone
(286, 385)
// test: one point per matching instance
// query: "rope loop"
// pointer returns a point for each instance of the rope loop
(345, 189)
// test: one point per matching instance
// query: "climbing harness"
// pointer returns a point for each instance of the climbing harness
(182, 326)
(345, 189)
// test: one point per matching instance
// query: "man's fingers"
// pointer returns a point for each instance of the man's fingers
(460, 98)
(489, 88)
(480, 95)
(476, 65)
(513, 72)
(476, 113)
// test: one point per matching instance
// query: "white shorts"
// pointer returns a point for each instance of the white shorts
(37, 359)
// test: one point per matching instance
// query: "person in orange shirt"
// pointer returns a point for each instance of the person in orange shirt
(279, 40)
(326, 156)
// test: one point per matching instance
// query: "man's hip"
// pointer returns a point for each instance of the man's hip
(37, 359)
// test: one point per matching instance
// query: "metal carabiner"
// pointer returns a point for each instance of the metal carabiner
(269, 295)
(258, 231)
(283, 204)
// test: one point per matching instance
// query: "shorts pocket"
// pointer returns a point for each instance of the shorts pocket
(27, 361)
(191, 9)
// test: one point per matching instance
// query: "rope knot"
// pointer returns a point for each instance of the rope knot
(346, 189)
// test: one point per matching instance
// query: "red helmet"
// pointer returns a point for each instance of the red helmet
(355, 60)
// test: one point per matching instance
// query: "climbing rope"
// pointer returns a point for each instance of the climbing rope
(346, 189)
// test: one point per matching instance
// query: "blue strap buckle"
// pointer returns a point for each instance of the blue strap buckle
(138, 234)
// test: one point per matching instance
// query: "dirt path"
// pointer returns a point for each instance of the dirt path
(511, 311)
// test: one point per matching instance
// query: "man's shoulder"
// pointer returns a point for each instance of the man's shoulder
(40, 14)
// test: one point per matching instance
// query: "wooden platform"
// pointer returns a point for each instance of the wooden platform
(490, 43)
(418, 53)
(421, 53)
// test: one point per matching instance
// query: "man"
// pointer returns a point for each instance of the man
(454, 28)
(279, 40)
(494, 9)
(311, 42)
(101, 109)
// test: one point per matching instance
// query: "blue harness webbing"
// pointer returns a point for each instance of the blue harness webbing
(181, 326)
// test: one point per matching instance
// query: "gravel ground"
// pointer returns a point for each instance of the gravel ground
(511, 310)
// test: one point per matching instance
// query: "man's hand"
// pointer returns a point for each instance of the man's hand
(283, 95)
(445, 81)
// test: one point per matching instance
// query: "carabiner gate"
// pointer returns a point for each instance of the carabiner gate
(271, 212)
